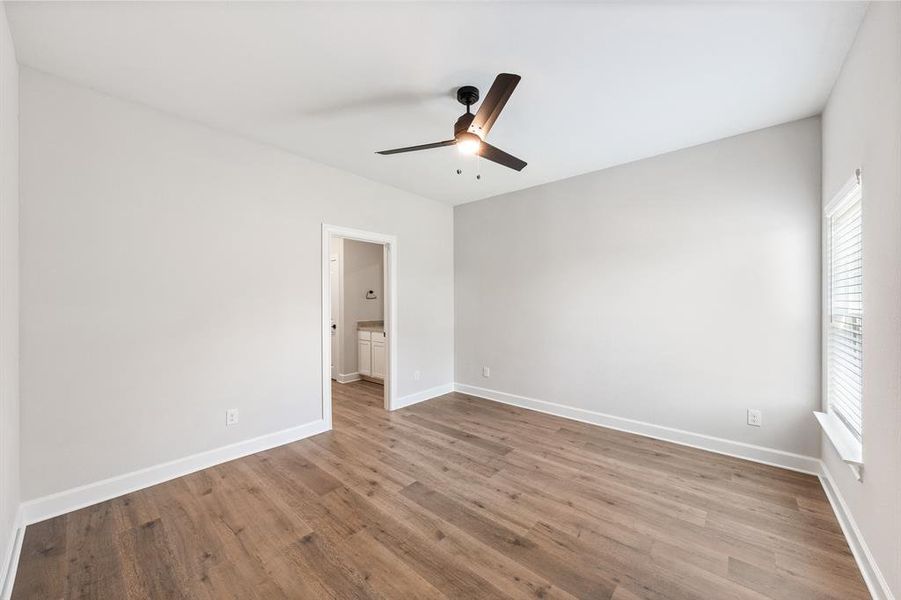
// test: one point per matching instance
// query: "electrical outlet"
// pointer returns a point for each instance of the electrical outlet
(486, 372)
(231, 416)
(417, 375)
(755, 419)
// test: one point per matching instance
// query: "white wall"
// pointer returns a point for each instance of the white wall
(9, 291)
(679, 290)
(170, 271)
(862, 128)
(363, 270)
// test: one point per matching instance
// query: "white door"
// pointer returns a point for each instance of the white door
(364, 357)
(378, 355)
(335, 294)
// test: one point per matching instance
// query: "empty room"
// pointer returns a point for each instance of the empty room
(450, 300)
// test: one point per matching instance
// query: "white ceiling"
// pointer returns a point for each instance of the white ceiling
(602, 84)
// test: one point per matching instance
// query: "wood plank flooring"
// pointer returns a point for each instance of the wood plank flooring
(456, 497)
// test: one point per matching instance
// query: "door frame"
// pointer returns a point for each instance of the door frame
(390, 244)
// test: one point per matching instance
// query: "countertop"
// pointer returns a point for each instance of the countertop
(378, 326)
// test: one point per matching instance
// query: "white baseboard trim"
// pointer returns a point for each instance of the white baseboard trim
(11, 561)
(424, 395)
(348, 377)
(92, 493)
(760, 454)
(873, 577)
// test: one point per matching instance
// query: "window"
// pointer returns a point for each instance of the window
(844, 302)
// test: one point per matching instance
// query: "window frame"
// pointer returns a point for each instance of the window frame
(847, 441)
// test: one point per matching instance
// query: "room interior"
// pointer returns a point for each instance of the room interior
(357, 320)
(450, 300)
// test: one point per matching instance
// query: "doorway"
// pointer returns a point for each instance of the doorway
(357, 284)
(359, 338)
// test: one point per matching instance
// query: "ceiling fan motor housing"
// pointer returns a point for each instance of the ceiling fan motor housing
(463, 123)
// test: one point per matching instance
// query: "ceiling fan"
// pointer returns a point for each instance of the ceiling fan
(470, 129)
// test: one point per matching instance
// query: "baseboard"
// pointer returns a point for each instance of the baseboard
(873, 577)
(760, 454)
(422, 396)
(11, 561)
(92, 493)
(348, 377)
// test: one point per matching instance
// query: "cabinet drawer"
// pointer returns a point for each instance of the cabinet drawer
(364, 335)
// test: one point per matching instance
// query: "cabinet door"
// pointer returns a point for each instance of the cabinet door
(364, 357)
(378, 357)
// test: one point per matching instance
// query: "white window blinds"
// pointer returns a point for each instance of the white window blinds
(844, 383)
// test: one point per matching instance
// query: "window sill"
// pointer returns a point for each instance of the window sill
(848, 447)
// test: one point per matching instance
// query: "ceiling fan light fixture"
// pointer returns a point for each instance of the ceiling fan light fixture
(468, 143)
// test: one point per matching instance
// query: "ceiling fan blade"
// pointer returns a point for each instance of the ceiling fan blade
(422, 147)
(497, 155)
(494, 102)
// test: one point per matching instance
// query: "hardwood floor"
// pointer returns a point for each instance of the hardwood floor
(456, 497)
